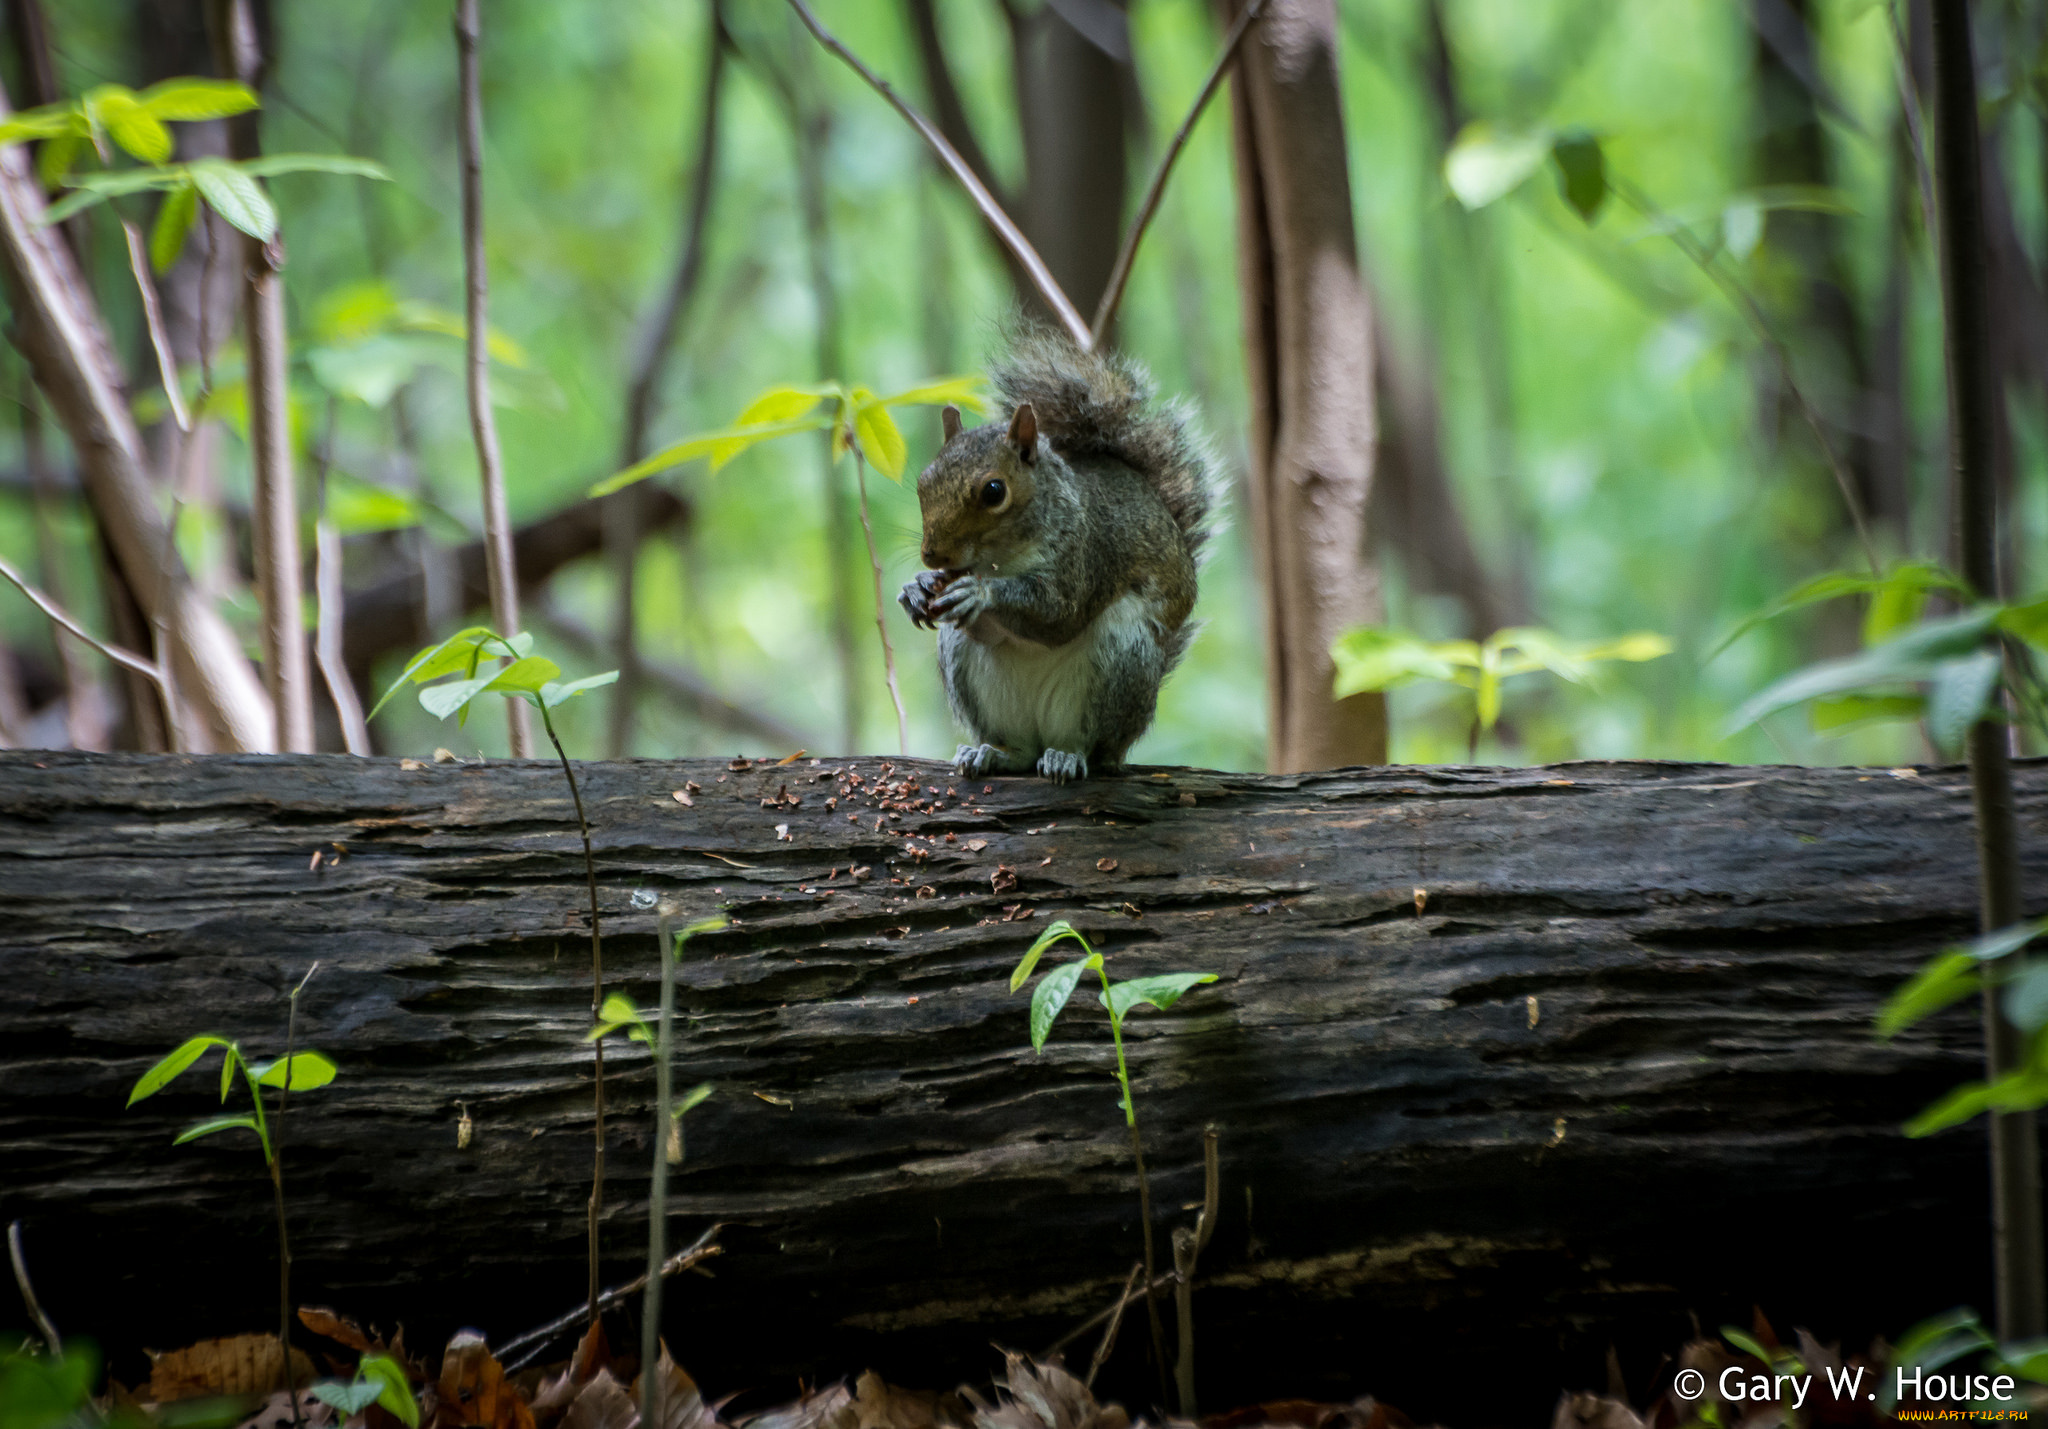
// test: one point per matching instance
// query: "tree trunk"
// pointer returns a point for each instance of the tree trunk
(1505, 1062)
(1308, 340)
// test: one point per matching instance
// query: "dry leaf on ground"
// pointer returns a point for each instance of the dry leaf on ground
(242, 1364)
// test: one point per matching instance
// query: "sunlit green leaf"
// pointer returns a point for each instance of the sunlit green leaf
(782, 404)
(1056, 930)
(1049, 997)
(219, 1123)
(271, 165)
(961, 392)
(394, 1387)
(441, 701)
(2023, 1090)
(2029, 621)
(527, 674)
(158, 1077)
(721, 445)
(58, 155)
(1485, 163)
(189, 98)
(693, 1097)
(879, 440)
(1944, 980)
(308, 1070)
(1839, 712)
(46, 122)
(235, 196)
(1372, 658)
(174, 219)
(1161, 991)
(141, 134)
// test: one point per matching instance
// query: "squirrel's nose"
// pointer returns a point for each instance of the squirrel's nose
(936, 559)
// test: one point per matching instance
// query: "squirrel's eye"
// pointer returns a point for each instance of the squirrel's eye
(993, 493)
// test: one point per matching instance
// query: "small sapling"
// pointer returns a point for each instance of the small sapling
(380, 1379)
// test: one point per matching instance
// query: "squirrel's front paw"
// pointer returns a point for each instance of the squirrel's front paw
(963, 601)
(917, 595)
(1060, 766)
(972, 761)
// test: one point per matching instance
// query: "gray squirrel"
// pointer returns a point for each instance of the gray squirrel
(1063, 541)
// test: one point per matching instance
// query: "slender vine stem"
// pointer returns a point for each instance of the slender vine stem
(860, 470)
(596, 1000)
(1123, 1079)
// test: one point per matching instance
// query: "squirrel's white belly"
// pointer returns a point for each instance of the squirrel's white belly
(1040, 696)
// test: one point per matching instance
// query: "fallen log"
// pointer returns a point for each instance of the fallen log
(1508, 1064)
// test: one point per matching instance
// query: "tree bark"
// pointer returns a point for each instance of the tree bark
(1515, 1059)
(1308, 340)
(57, 327)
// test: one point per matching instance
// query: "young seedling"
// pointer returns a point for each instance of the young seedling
(295, 1070)
(618, 1012)
(534, 679)
(380, 1379)
(1161, 991)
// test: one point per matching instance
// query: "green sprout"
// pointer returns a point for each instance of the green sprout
(1048, 999)
(380, 1379)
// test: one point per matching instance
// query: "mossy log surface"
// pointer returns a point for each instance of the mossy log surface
(1505, 1062)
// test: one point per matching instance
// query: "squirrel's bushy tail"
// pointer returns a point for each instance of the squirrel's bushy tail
(1101, 404)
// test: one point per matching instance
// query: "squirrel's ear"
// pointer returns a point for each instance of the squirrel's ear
(1024, 432)
(949, 420)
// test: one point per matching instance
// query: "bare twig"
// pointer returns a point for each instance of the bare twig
(483, 423)
(1745, 303)
(126, 659)
(860, 472)
(1187, 1247)
(1107, 1343)
(28, 1291)
(1112, 295)
(153, 317)
(329, 604)
(534, 1341)
(1129, 1297)
(991, 211)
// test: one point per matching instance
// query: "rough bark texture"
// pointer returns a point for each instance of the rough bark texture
(1612, 1064)
(1308, 342)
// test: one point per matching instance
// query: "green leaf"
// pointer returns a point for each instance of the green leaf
(158, 1077)
(143, 135)
(228, 1066)
(174, 219)
(308, 1070)
(2029, 622)
(961, 392)
(1372, 658)
(348, 1398)
(2026, 997)
(619, 1008)
(457, 652)
(702, 925)
(1582, 171)
(235, 197)
(57, 158)
(692, 1097)
(46, 122)
(2023, 1090)
(1945, 979)
(1054, 931)
(1960, 694)
(1840, 712)
(222, 1123)
(1049, 997)
(1989, 947)
(783, 404)
(882, 444)
(525, 675)
(95, 188)
(1162, 991)
(1904, 582)
(1746, 1343)
(394, 1387)
(441, 701)
(721, 446)
(552, 696)
(189, 98)
(271, 165)
(1908, 659)
(1485, 163)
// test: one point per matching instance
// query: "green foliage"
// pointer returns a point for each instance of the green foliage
(1373, 658)
(529, 677)
(1961, 971)
(230, 189)
(303, 1072)
(134, 122)
(855, 415)
(1050, 996)
(1941, 1340)
(44, 1391)
(381, 1380)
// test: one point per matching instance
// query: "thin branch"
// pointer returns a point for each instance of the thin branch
(860, 471)
(1745, 303)
(1129, 1297)
(329, 604)
(702, 1249)
(153, 317)
(483, 424)
(28, 1291)
(1108, 1341)
(1112, 295)
(127, 659)
(1012, 237)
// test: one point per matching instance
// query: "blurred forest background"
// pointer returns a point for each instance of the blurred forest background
(1578, 428)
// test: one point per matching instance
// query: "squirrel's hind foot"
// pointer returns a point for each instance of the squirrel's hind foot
(1060, 766)
(972, 761)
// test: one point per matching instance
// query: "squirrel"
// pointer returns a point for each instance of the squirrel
(1063, 542)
